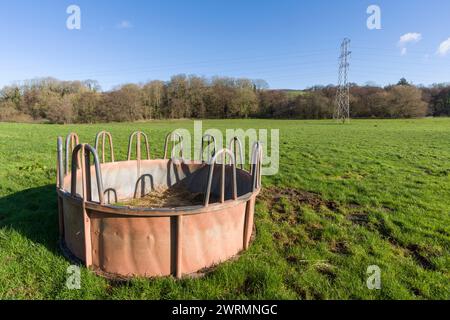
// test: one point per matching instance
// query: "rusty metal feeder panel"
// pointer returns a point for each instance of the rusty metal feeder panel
(125, 241)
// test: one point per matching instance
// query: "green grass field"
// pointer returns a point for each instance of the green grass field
(373, 192)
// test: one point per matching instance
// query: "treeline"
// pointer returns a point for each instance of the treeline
(183, 96)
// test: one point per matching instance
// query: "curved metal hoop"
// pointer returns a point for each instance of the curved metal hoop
(255, 169)
(107, 194)
(222, 152)
(72, 140)
(102, 135)
(138, 135)
(59, 163)
(86, 151)
(208, 139)
(170, 137)
(235, 142)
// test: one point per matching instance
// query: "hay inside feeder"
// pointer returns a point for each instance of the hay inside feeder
(175, 196)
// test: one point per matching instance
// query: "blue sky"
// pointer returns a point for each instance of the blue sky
(290, 44)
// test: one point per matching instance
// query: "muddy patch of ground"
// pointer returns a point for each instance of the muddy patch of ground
(327, 270)
(416, 252)
(274, 195)
(285, 205)
(287, 240)
(340, 247)
(359, 218)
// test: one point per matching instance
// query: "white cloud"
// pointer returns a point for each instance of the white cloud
(409, 37)
(404, 51)
(444, 48)
(124, 25)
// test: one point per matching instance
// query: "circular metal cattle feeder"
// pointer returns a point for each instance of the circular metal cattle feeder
(101, 226)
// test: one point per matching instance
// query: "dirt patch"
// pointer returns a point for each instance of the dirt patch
(359, 218)
(417, 292)
(385, 232)
(340, 247)
(437, 173)
(415, 251)
(274, 195)
(387, 209)
(443, 232)
(327, 270)
(292, 259)
(176, 196)
(287, 240)
(314, 231)
(301, 292)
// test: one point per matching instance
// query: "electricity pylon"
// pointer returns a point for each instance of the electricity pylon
(342, 107)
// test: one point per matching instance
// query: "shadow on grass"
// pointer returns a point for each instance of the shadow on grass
(34, 214)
